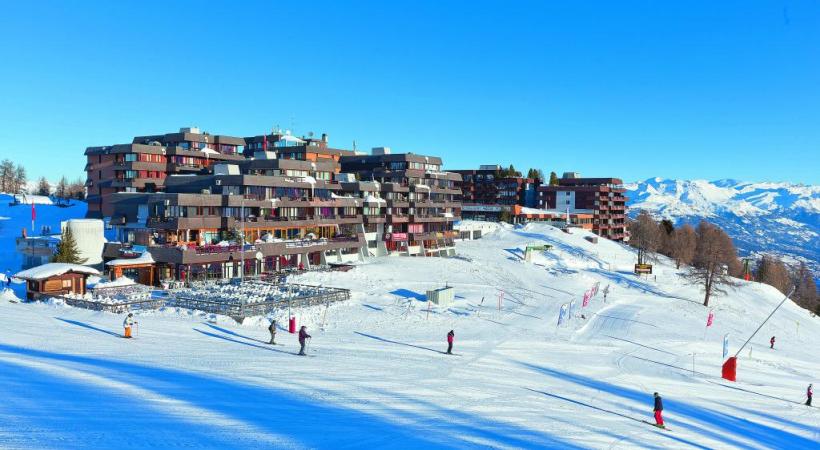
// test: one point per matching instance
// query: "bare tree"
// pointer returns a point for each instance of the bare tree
(7, 173)
(772, 271)
(645, 235)
(20, 179)
(805, 294)
(43, 187)
(682, 245)
(714, 252)
(62, 188)
(76, 189)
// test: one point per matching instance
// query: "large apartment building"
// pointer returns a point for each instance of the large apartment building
(488, 194)
(144, 164)
(602, 197)
(287, 196)
(412, 203)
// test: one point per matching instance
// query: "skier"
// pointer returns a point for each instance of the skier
(302, 336)
(809, 393)
(272, 329)
(771, 342)
(128, 323)
(450, 336)
(658, 411)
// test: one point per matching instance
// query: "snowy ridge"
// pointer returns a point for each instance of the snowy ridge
(779, 218)
(377, 377)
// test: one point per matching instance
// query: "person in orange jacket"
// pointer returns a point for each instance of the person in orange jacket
(128, 323)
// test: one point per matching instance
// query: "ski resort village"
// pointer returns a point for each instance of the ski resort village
(201, 290)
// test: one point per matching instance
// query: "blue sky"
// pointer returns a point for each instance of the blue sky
(630, 89)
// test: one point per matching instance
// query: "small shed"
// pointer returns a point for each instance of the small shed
(140, 268)
(441, 296)
(55, 279)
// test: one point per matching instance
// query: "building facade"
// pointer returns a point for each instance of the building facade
(415, 202)
(143, 165)
(486, 194)
(602, 197)
(272, 203)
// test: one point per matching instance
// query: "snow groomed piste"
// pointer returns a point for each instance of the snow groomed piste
(378, 378)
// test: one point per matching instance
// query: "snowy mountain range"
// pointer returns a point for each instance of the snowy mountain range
(775, 218)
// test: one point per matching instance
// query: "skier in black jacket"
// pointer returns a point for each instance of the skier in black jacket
(302, 336)
(272, 329)
(658, 411)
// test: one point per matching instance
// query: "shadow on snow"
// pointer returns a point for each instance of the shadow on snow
(715, 425)
(271, 413)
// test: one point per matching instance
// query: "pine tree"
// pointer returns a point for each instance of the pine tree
(67, 251)
(553, 179)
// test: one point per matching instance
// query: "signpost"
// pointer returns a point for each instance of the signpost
(643, 269)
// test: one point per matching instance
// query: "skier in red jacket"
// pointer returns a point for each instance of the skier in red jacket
(450, 336)
(809, 393)
(771, 342)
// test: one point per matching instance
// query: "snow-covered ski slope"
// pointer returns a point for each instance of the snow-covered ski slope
(377, 376)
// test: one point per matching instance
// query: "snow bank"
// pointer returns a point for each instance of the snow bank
(121, 281)
(33, 199)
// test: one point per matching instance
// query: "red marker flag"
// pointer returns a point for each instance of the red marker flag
(710, 319)
(33, 215)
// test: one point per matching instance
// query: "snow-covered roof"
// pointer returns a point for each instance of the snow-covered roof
(144, 258)
(289, 138)
(54, 269)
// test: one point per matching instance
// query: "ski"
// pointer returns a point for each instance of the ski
(656, 425)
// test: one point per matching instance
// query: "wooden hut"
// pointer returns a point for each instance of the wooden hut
(55, 279)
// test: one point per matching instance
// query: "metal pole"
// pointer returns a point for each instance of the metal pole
(764, 322)
(242, 248)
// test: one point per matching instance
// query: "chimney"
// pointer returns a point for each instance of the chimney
(324, 138)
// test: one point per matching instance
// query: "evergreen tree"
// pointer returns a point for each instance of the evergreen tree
(532, 173)
(67, 251)
(553, 179)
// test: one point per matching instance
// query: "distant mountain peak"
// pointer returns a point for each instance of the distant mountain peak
(775, 217)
